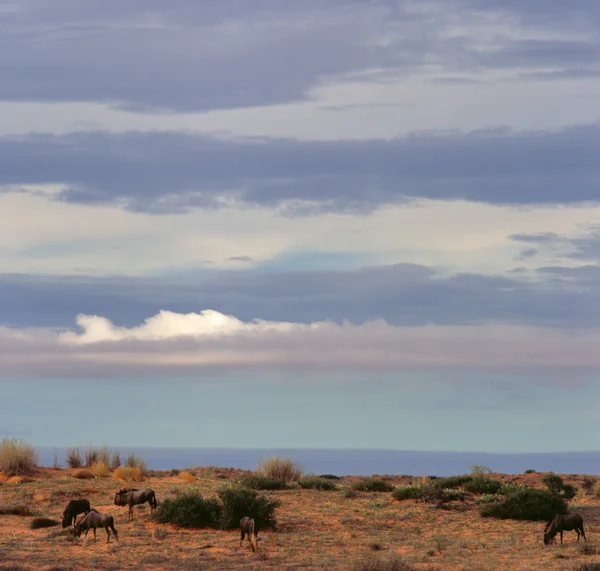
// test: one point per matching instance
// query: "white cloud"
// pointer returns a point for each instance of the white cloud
(173, 342)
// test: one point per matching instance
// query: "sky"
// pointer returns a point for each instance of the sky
(353, 223)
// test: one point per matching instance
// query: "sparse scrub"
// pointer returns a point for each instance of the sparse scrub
(479, 471)
(134, 461)
(161, 533)
(100, 469)
(104, 455)
(128, 474)
(189, 510)
(280, 469)
(588, 484)
(529, 504)
(74, 458)
(374, 563)
(588, 567)
(530, 471)
(350, 493)
(329, 477)
(483, 486)
(557, 487)
(187, 476)
(17, 458)
(263, 483)
(239, 502)
(588, 549)
(372, 485)
(115, 461)
(406, 493)
(453, 481)
(488, 498)
(317, 483)
(39, 522)
(90, 457)
(509, 487)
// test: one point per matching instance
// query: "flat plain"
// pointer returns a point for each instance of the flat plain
(316, 530)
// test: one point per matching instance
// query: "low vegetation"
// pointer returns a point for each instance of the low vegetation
(263, 483)
(74, 458)
(40, 522)
(134, 461)
(128, 474)
(527, 504)
(372, 485)
(280, 469)
(376, 563)
(100, 469)
(317, 483)
(17, 458)
(482, 486)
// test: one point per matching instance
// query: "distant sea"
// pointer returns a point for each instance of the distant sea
(343, 462)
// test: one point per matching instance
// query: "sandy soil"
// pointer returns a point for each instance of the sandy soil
(317, 530)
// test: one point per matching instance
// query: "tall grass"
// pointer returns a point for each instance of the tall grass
(100, 469)
(128, 474)
(17, 458)
(280, 469)
(74, 458)
(134, 461)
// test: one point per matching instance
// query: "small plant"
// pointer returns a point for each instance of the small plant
(39, 522)
(280, 469)
(74, 458)
(91, 457)
(372, 485)
(530, 504)
(530, 471)
(56, 462)
(187, 476)
(557, 487)
(330, 477)
(441, 542)
(189, 510)
(128, 474)
(18, 509)
(375, 546)
(350, 493)
(263, 483)
(488, 498)
(406, 493)
(104, 455)
(17, 458)
(453, 481)
(239, 502)
(134, 461)
(588, 549)
(479, 471)
(115, 461)
(509, 487)
(481, 485)
(161, 533)
(317, 483)
(100, 469)
(588, 567)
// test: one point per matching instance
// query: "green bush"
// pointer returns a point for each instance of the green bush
(263, 483)
(453, 481)
(239, 502)
(317, 483)
(406, 493)
(189, 510)
(17, 458)
(529, 504)
(372, 485)
(557, 487)
(483, 486)
(329, 476)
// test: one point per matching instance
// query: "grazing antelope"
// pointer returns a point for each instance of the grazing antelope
(560, 523)
(73, 509)
(133, 497)
(250, 529)
(93, 520)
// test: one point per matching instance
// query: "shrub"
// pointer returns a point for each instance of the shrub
(488, 498)
(530, 471)
(350, 493)
(83, 474)
(263, 483)
(187, 476)
(128, 474)
(588, 567)
(479, 470)
(406, 493)
(19, 509)
(483, 486)
(104, 455)
(330, 477)
(280, 469)
(374, 563)
(239, 502)
(317, 483)
(453, 481)
(91, 457)
(588, 484)
(115, 461)
(588, 549)
(100, 469)
(17, 458)
(74, 458)
(39, 522)
(189, 510)
(557, 487)
(529, 504)
(134, 461)
(509, 487)
(372, 485)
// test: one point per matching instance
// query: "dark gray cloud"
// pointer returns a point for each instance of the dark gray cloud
(190, 55)
(403, 294)
(586, 247)
(171, 172)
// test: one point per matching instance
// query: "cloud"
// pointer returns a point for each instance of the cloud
(199, 56)
(172, 173)
(584, 247)
(183, 343)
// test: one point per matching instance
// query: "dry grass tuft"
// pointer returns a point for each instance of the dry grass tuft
(19, 509)
(393, 563)
(187, 476)
(74, 458)
(83, 474)
(280, 469)
(100, 469)
(17, 458)
(128, 474)
(39, 522)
